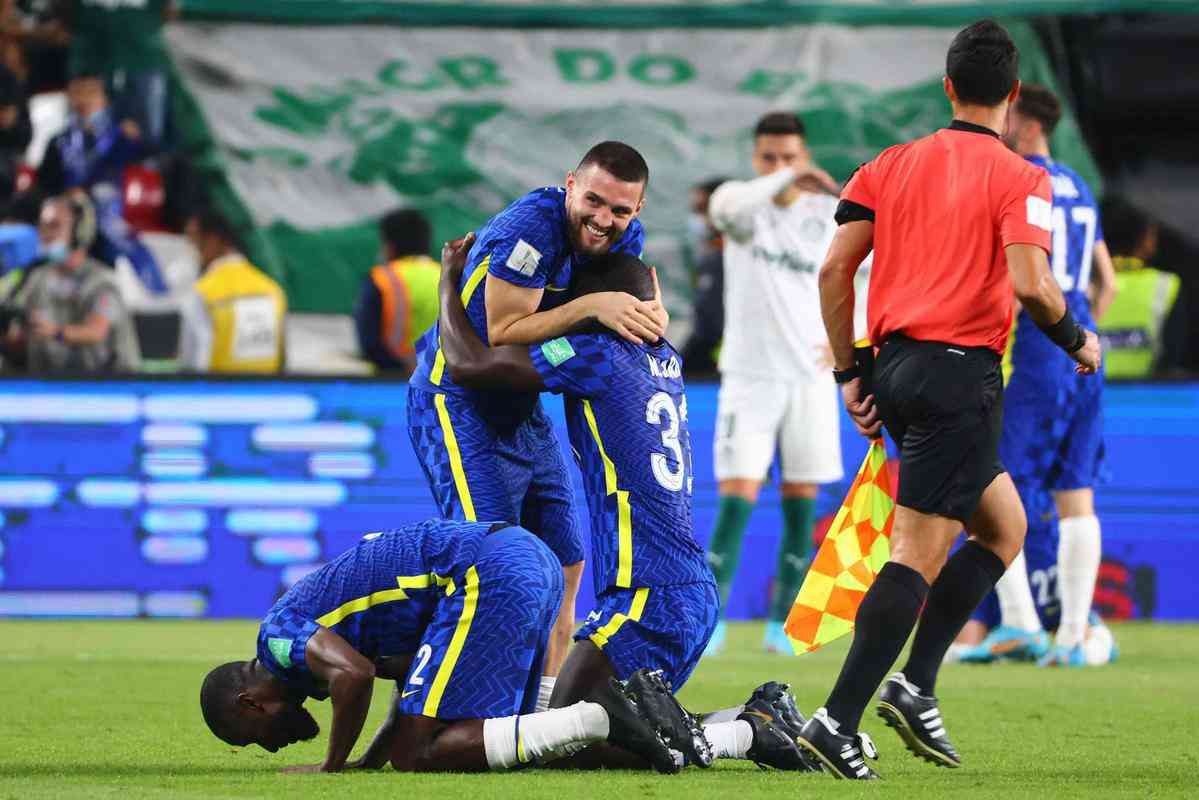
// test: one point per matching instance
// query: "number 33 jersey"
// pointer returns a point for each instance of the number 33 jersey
(626, 410)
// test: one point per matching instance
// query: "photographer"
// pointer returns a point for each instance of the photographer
(69, 316)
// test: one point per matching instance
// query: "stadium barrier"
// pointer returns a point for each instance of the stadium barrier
(196, 498)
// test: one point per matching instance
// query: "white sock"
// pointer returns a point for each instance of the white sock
(730, 739)
(1079, 550)
(544, 692)
(1016, 606)
(543, 736)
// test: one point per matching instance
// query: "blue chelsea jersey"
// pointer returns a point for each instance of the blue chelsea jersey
(626, 410)
(526, 244)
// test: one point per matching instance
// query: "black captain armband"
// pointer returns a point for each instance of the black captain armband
(849, 211)
(1066, 333)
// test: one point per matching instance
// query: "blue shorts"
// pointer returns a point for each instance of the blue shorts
(1040, 554)
(660, 627)
(482, 652)
(1053, 432)
(477, 473)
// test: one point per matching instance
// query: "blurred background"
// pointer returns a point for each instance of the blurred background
(177, 453)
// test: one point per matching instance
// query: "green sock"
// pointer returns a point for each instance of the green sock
(795, 553)
(724, 551)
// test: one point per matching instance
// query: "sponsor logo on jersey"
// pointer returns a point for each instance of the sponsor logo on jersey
(664, 368)
(788, 261)
(524, 259)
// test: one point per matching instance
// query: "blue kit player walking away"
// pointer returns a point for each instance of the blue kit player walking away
(1052, 442)
(656, 599)
(459, 615)
(493, 455)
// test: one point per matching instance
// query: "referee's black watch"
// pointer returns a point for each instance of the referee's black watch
(847, 375)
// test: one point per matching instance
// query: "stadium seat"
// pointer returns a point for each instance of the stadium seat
(143, 198)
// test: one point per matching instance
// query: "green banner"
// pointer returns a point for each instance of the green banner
(310, 133)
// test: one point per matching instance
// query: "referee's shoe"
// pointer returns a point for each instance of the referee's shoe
(842, 756)
(917, 720)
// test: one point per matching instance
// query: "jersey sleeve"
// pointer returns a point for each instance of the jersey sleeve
(524, 251)
(861, 190)
(1026, 216)
(581, 364)
(633, 240)
(282, 645)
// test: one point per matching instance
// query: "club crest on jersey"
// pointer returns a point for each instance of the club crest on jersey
(659, 368)
(524, 258)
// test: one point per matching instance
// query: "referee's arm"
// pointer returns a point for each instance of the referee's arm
(851, 244)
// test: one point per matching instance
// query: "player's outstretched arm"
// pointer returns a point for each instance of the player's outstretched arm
(351, 679)
(513, 318)
(470, 362)
(1039, 293)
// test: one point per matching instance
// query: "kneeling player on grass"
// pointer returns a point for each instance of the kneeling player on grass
(458, 614)
(998, 632)
(656, 599)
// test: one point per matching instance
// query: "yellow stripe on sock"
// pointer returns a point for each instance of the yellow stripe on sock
(451, 446)
(636, 608)
(469, 602)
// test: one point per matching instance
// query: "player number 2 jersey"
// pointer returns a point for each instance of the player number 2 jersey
(626, 410)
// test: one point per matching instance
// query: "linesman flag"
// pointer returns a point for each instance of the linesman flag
(857, 546)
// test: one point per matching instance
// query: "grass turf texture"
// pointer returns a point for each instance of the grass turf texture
(111, 709)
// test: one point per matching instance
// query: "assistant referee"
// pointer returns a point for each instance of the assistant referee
(957, 223)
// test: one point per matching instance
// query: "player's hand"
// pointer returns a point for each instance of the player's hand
(862, 411)
(453, 257)
(40, 327)
(813, 179)
(636, 320)
(1089, 356)
(361, 764)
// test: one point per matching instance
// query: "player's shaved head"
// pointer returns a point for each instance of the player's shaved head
(617, 159)
(982, 63)
(242, 705)
(614, 272)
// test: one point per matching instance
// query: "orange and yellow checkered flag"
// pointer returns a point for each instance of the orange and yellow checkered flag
(857, 546)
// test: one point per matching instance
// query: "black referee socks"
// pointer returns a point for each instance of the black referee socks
(884, 622)
(963, 583)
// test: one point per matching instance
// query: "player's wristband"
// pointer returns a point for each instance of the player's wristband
(1066, 333)
(847, 375)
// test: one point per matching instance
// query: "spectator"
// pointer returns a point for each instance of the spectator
(1132, 327)
(34, 43)
(233, 321)
(398, 301)
(15, 132)
(73, 317)
(707, 255)
(91, 155)
(122, 42)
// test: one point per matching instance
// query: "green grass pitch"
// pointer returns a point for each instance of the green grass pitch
(110, 709)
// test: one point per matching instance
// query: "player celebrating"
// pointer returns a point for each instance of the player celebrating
(776, 393)
(957, 222)
(494, 455)
(656, 600)
(458, 614)
(1053, 429)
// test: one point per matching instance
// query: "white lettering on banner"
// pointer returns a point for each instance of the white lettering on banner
(1039, 212)
(255, 329)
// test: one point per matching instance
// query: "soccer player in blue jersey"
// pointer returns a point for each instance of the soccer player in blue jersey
(458, 614)
(1053, 424)
(656, 599)
(494, 455)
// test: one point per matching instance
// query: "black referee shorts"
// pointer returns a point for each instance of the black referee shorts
(943, 406)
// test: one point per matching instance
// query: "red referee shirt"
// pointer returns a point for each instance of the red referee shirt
(944, 208)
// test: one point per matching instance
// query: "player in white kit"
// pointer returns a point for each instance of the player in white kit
(777, 392)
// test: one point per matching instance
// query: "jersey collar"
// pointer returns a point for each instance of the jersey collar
(959, 125)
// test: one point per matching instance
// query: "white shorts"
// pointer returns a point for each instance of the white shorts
(801, 420)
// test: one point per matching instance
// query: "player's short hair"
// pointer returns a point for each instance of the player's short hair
(614, 272)
(218, 702)
(407, 231)
(983, 63)
(619, 160)
(210, 221)
(1037, 102)
(780, 123)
